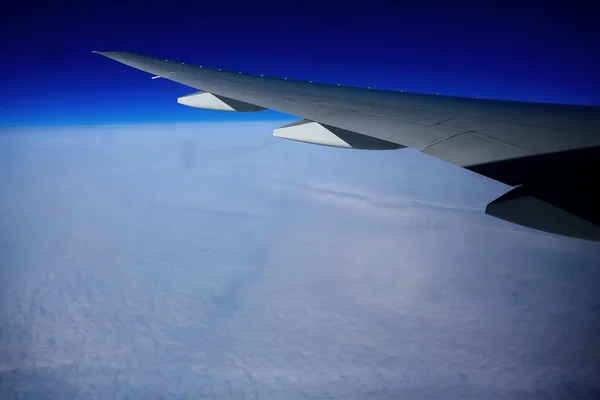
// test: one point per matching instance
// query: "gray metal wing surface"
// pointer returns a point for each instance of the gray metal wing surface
(549, 152)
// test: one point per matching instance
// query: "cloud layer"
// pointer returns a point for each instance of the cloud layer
(214, 261)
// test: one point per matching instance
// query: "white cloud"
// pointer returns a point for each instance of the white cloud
(213, 261)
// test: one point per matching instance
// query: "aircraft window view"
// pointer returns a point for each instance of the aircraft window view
(312, 200)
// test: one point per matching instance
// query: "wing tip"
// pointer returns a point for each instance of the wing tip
(108, 53)
(102, 53)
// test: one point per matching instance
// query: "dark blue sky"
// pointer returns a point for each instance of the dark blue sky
(489, 49)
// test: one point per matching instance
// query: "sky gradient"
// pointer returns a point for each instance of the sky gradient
(505, 50)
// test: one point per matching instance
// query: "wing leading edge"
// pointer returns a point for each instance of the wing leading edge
(549, 151)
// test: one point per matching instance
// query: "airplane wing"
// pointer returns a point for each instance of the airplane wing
(549, 152)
